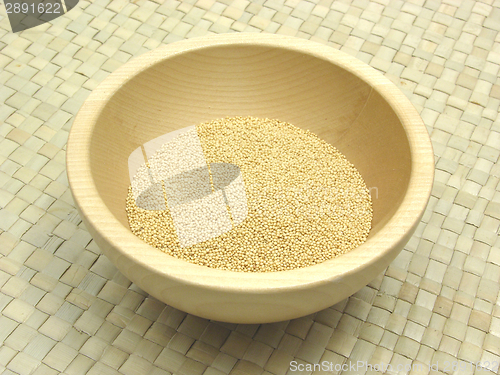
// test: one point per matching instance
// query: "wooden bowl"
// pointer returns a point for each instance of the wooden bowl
(339, 98)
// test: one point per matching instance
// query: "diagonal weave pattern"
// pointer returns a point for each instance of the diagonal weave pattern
(64, 308)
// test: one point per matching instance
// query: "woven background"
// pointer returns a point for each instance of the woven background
(65, 308)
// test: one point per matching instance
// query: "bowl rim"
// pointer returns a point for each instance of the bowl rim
(394, 234)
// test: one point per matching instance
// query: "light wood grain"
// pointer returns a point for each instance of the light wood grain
(307, 84)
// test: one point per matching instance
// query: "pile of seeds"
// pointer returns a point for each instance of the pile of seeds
(306, 202)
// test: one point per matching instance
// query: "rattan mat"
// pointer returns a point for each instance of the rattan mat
(65, 308)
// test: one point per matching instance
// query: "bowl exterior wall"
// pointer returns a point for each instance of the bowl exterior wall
(243, 307)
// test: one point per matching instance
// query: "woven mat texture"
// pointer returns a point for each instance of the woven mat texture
(66, 309)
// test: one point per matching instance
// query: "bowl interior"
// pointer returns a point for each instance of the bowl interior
(260, 81)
